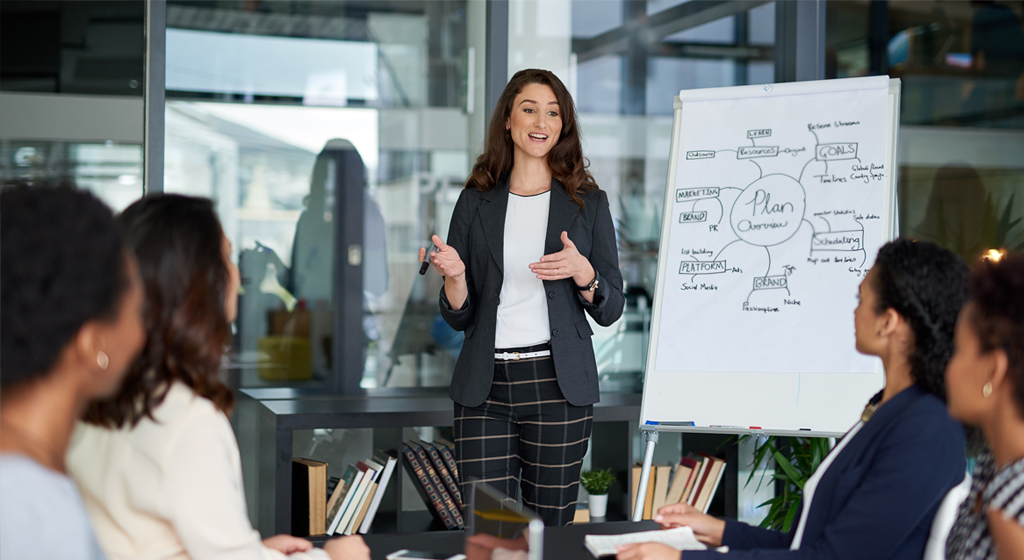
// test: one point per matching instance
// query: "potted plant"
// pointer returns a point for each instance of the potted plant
(597, 484)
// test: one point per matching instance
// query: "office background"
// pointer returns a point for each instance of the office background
(235, 100)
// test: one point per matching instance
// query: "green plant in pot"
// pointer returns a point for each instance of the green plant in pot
(597, 483)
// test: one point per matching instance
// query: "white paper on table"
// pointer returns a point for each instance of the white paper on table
(680, 538)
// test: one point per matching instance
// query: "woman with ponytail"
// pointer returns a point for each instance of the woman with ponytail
(875, 495)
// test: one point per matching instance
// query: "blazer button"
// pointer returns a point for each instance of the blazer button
(554, 332)
(551, 295)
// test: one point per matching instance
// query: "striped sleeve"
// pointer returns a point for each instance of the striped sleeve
(1007, 492)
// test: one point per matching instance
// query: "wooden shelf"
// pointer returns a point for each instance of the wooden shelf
(278, 412)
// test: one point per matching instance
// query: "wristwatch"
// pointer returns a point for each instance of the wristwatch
(589, 287)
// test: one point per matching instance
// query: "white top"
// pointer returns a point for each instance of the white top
(41, 514)
(523, 305)
(812, 483)
(170, 489)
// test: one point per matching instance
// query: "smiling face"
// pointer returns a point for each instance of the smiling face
(535, 122)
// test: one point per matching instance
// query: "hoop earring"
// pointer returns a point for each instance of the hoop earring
(987, 390)
(102, 360)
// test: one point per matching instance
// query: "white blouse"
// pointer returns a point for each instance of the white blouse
(169, 489)
(523, 306)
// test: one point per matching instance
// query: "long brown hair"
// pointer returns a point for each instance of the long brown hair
(566, 157)
(177, 240)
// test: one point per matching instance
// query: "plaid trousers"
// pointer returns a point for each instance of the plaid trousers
(525, 426)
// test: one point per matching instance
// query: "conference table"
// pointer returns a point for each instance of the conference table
(560, 543)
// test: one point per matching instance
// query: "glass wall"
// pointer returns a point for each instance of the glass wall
(961, 176)
(259, 92)
(71, 77)
(266, 102)
(629, 60)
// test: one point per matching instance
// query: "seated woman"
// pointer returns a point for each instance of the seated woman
(986, 390)
(875, 494)
(158, 464)
(70, 327)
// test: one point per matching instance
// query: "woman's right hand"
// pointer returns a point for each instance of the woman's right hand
(347, 548)
(446, 260)
(707, 529)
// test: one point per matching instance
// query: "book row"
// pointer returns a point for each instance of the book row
(354, 497)
(693, 480)
(432, 466)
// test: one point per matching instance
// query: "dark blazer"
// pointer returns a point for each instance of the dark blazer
(477, 232)
(877, 499)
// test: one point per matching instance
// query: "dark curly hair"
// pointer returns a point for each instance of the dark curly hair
(566, 157)
(996, 291)
(62, 264)
(177, 240)
(927, 286)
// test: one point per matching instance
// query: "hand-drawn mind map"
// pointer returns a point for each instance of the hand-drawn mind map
(770, 210)
(773, 227)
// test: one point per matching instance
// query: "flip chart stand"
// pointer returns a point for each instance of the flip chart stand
(650, 440)
(824, 153)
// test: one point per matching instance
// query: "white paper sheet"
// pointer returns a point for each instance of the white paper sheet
(680, 538)
(777, 212)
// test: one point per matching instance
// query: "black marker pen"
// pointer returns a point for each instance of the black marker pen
(426, 261)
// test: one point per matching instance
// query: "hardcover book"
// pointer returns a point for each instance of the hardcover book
(426, 488)
(309, 496)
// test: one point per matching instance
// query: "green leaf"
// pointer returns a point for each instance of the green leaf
(791, 472)
(790, 516)
(597, 482)
(823, 451)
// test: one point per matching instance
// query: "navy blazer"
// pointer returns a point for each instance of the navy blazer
(877, 498)
(477, 232)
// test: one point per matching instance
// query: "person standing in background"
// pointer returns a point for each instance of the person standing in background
(531, 249)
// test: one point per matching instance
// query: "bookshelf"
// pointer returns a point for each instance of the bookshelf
(277, 413)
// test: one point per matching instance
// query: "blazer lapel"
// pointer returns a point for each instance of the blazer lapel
(561, 212)
(492, 212)
(887, 413)
(853, 453)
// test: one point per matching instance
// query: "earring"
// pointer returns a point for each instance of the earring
(987, 390)
(102, 360)
(508, 126)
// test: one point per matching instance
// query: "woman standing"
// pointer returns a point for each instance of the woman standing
(531, 246)
(986, 389)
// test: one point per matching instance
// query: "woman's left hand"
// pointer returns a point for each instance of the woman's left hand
(647, 551)
(287, 544)
(567, 263)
